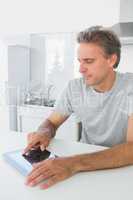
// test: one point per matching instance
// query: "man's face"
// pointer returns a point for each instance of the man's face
(94, 64)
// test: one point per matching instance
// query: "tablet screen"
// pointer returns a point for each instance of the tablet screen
(17, 160)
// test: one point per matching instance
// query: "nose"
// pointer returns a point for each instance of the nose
(82, 68)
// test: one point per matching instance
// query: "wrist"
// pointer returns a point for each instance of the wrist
(47, 128)
(74, 163)
(44, 131)
(81, 163)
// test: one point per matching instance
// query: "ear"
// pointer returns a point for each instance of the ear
(112, 60)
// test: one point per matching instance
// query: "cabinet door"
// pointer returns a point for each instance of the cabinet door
(30, 117)
(28, 123)
(18, 77)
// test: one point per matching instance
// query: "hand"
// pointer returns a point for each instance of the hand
(37, 139)
(52, 170)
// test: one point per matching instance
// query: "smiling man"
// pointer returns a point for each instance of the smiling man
(102, 101)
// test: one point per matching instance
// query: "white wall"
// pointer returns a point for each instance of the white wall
(19, 18)
(37, 16)
(3, 62)
(126, 63)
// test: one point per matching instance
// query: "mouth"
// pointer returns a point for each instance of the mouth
(88, 77)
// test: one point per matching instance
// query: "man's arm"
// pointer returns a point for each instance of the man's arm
(46, 131)
(117, 156)
(62, 168)
(130, 129)
(51, 124)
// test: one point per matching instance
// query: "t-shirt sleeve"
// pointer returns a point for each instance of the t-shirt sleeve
(63, 104)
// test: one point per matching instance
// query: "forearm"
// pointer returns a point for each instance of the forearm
(47, 127)
(118, 156)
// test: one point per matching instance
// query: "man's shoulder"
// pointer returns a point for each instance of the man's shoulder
(127, 81)
(128, 75)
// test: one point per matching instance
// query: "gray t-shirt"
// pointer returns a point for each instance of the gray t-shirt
(104, 116)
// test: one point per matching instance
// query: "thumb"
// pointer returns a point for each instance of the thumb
(42, 147)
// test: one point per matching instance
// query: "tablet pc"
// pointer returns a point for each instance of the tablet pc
(17, 160)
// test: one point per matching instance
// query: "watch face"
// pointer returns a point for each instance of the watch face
(36, 155)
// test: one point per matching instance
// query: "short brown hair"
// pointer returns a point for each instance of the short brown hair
(105, 38)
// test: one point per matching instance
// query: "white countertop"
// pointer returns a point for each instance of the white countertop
(105, 184)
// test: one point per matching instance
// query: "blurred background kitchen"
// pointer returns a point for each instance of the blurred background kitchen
(36, 66)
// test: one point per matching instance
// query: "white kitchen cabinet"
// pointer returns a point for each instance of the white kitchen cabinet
(30, 117)
(17, 66)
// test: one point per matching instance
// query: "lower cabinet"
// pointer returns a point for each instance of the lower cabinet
(30, 117)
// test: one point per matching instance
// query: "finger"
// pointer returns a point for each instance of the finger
(42, 147)
(32, 178)
(40, 178)
(37, 171)
(35, 181)
(30, 145)
(51, 181)
(29, 137)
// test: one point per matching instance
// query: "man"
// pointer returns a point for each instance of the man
(102, 101)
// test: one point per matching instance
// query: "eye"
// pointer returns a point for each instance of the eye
(89, 61)
(86, 61)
